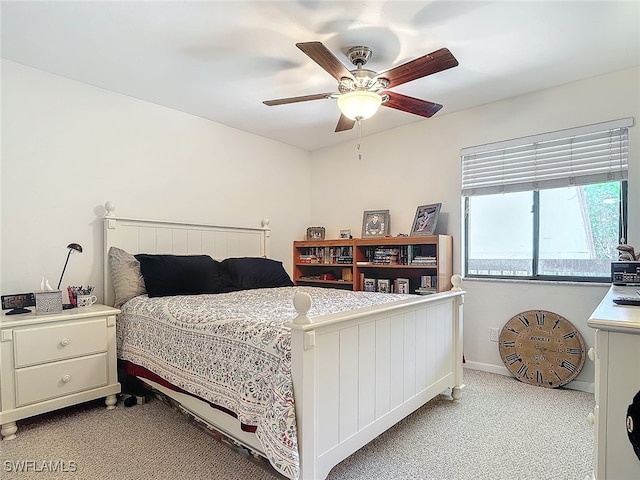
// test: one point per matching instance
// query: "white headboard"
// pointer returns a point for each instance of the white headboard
(153, 236)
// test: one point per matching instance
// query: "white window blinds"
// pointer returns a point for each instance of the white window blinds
(577, 156)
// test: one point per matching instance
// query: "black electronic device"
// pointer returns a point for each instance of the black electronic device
(627, 301)
(16, 303)
(625, 273)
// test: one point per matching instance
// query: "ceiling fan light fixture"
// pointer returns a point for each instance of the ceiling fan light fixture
(359, 105)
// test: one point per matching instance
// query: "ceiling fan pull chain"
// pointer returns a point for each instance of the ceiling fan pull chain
(359, 133)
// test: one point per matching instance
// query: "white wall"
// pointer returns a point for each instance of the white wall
(69, 147)
(420, 164)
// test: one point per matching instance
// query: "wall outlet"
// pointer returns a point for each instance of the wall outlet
(494, 334)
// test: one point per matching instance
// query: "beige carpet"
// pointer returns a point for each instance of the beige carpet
(502, 429)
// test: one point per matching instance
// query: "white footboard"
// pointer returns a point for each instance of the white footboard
(356, 375)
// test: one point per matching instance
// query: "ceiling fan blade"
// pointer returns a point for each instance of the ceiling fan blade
(420, 67)
(317, 52)
(344, 123)
(303, 98)
(411, 105)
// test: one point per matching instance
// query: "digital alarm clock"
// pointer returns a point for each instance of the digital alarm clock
(16, 303)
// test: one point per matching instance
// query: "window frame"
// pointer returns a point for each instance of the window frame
(622, 233)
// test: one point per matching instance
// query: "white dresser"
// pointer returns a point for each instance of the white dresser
(57, 360)
(617, 361)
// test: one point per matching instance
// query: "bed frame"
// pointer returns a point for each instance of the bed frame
(355, 374)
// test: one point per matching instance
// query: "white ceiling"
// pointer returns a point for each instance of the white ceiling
(220, 60)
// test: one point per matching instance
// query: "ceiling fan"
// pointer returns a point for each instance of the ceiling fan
(361, 91)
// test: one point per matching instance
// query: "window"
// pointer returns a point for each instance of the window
(549, 207)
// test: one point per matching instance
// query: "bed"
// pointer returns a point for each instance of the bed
(348, 374)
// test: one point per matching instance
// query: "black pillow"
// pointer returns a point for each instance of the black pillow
(245, 273)
(166, 275)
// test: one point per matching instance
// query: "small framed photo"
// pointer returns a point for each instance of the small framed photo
(345, 233)
(426, 219)
(375, 223)
(315, 233)
(370, 285)
(402, 285)
(384, 285)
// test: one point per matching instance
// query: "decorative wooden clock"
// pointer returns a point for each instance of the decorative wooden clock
(542, 348)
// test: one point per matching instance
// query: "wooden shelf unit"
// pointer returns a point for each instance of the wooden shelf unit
(314, 260)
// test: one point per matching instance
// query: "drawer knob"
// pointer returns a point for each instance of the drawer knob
(592, 353)
(66, 379)
(64, 342)
(591, 418)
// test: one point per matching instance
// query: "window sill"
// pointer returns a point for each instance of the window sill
(538, 282)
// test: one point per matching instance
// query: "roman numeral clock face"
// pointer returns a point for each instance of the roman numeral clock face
(541, 348)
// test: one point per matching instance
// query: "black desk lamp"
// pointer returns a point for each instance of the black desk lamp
(73, 247)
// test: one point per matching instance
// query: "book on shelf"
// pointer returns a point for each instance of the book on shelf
(307, 258)
(423, 260)
(326, 255)
(344, 259)
(347, 274)
(386, 256)
(425, 291)
(428, 284)
(340, 255)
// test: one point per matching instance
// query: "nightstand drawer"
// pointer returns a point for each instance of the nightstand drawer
(42, 382)
(48, 343)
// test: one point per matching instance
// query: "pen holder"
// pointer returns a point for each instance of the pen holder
(49, 301)
(73, 300)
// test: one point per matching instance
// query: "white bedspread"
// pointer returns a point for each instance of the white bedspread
(233, 350)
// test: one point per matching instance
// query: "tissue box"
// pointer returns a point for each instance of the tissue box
(49, 301)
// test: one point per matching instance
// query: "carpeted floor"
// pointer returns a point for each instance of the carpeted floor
(502, 429)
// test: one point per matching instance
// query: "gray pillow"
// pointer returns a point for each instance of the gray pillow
(125, 275)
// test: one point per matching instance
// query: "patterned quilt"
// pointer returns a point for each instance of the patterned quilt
(233, 350)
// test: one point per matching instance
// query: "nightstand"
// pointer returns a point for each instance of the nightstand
(53, 361)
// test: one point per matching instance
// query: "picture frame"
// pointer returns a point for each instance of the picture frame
(375, 223)
(426, 219)
(315, 233)
(369, 285)
(402, 285)
(384, 285)
(345, 233)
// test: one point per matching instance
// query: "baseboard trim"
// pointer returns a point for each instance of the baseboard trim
(580, 385)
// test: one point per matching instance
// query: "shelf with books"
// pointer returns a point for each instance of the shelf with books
(313, 280)
(392, 264)
(405, 262)
(325, 263)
